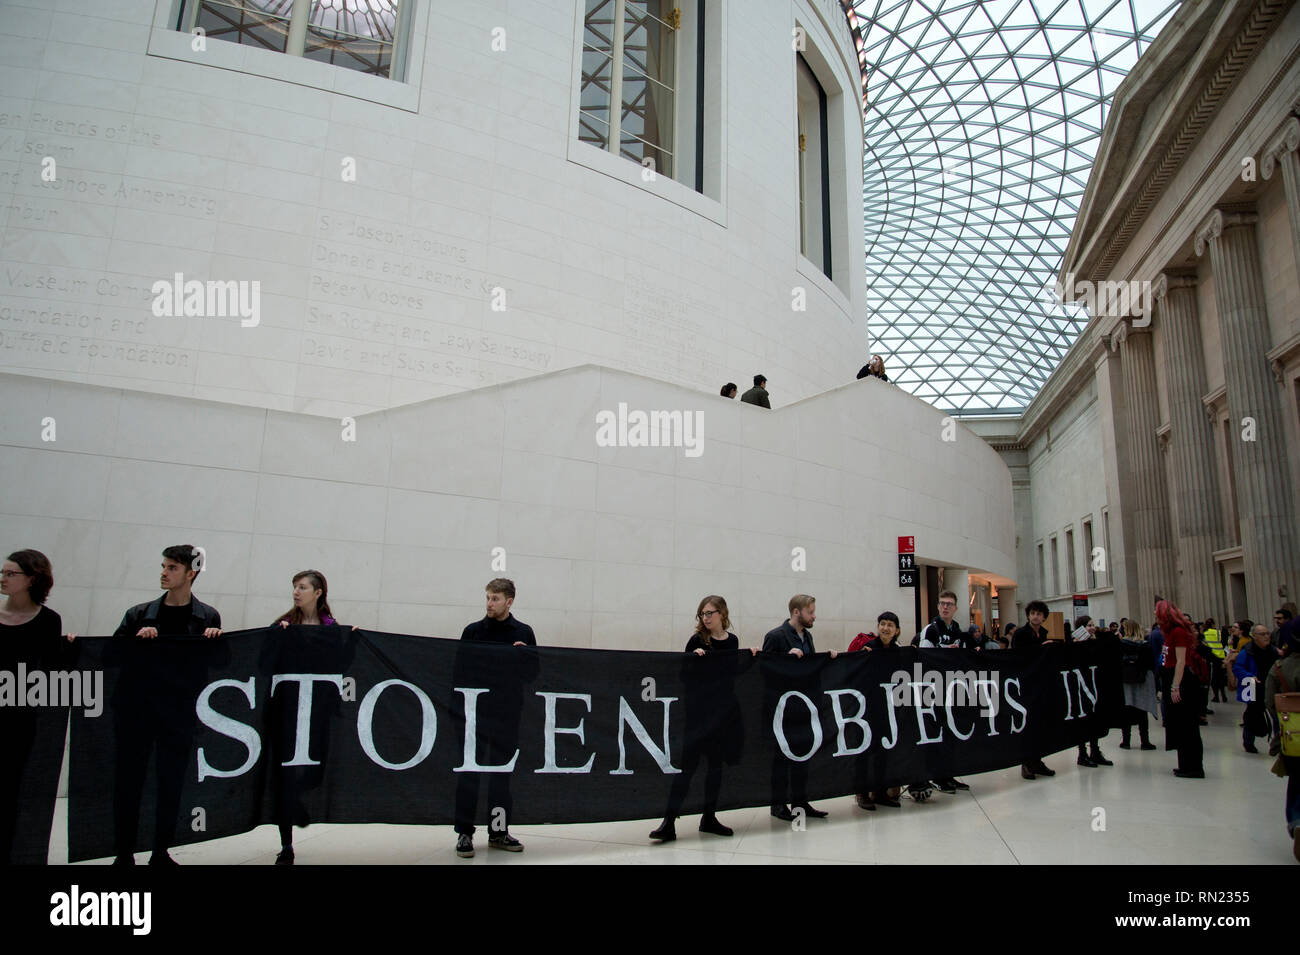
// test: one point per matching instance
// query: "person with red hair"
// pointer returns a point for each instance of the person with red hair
(1186, 676)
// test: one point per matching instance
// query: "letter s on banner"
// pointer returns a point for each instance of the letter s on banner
(226, 726)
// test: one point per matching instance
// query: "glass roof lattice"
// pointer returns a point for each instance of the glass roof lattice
(982, 123)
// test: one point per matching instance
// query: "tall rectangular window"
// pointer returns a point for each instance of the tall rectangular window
(1056, 567)
(1234, 520)
(360, 35)
(1107, 555)
(1089, 574)
(1042, 570)
(1071, 581)
(629, 90)
(814, 169)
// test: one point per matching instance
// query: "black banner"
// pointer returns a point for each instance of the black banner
(215, 737)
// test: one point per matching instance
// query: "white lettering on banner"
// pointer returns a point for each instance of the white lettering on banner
(892, 699)
(778, 726)
(233, 729)
(471, 764)
(1015, 704)
(550, 730)
(366, 731)
(842, 748)
(628, 718)
(302, 732)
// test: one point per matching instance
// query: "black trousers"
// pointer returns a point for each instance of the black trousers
(1183, 722)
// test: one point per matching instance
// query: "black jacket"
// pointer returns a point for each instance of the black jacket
(783, 639)
(202, 617)
(1026, 639)
(756, 396)
(936, 634)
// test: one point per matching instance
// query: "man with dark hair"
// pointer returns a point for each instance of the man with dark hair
(758, 394)
(1030, 639)
(1281, 617)
(498, 719)
(944, 631)
(793, 638)
(146, 713)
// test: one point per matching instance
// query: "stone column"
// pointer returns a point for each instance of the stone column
(957, 579)
(1007, 612)
(1152, 545)
(1281, 153)
(1120, 570)
(1195, 501)
(1264, 501)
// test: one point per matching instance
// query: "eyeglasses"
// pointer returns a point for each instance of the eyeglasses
(13, 573)
(706, 614)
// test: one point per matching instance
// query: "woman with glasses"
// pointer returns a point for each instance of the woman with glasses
(713, 724)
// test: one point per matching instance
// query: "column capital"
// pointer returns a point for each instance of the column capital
(1218, 220)
(1170, 280)
(1285, 140)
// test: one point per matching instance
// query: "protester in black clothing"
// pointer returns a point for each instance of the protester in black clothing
(793, 638)
(758, 394)
(148, 712)
(1030, 639)
(729, 390)
(498, 719)
(944, 631)
(30, 634)
(1085, 629)
(1281, 617)
(886, 642)
(713, 724)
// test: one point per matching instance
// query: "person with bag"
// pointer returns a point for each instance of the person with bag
(1138, 674)
(1253, 664)
(1186, 675)
(1282, 698)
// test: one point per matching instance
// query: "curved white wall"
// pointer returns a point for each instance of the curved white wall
(227, 164)
(609, 546)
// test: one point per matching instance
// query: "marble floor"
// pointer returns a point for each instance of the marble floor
(1233, 816)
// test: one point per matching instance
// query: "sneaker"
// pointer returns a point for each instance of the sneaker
(285, 857)
(865, 802)
(465, 846)
(504, 840)
(920, 792)
(710, 824)
(667, 832)
(946, 786)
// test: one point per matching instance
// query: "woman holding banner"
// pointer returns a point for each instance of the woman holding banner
(713, 724)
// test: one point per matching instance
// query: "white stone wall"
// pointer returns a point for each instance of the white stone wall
(609, 547)
(227, 164)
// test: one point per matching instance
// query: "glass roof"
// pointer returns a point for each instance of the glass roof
(982, 122)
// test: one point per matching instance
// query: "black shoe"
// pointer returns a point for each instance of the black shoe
(713, 827)
(1209, 712)
(1027, 771)
(1249, 747)
(504, 840)
(285, 857)
(667, 832)
(1147, 744)
(1184, 775)
(948, 786)
(812, 813)
(124, 860)
(865, 802)
(959, 784)
(1083, 760)
(1098, 758)
(783, 813)
(161, 857)
(886, 800)
(1042, 770)
(1125, 745)
(465, 846)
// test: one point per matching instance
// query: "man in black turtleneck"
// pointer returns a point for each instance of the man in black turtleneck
(498, 719)
(1030, 639)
